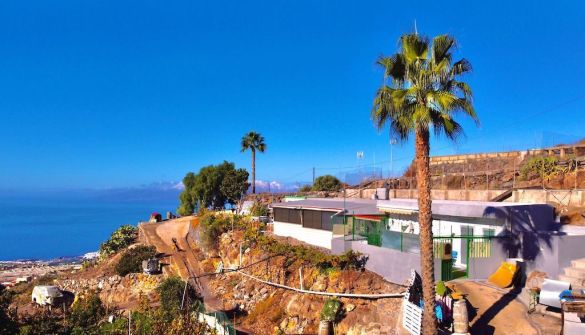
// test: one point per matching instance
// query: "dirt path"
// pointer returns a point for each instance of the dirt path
(493, 312)
(183, 262)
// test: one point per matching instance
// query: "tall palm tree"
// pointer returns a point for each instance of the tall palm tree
(253, 141)
(423, 95)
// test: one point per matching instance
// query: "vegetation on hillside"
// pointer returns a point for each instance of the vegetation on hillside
(421, 93)
(88, 315)
(259, 209)
(212, 187)
(327, 183)
(131, 260)
(120, 239)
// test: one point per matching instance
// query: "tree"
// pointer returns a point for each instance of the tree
(253, 141)
(234, 185)
(424, 94)
(213, 186)
(327, 183)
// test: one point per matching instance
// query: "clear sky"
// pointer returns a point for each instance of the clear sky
(119, 93)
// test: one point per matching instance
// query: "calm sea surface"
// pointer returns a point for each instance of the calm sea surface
(51, 229)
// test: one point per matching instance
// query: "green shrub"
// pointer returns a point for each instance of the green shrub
(351, 260)
(305, 188)
(43, 323)
(331, 310)
(259, 209)
(171, 296)
(131, 260)
(542, 166)
(212, 225)
(87, 311)
(327, 183)
(120, 239)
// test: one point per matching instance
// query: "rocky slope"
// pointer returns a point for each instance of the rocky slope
(270, 310)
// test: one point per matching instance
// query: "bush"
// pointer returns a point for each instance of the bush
(171, 295)
(541, 166)
(351, 260)
(213, 225)
(259, 209)
(131, 260)
(305, 188)
(87, 311)
(327, 183)
(331, 310)
(120, 239)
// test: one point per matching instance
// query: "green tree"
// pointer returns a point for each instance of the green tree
(213, 186)
(423, 95)
(234, 185)
(327, 183)
(253, 141)
(187, 200)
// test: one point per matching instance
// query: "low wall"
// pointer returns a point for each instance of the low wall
(316, 237)
(561, 197)
(393, 265)
(482, 268)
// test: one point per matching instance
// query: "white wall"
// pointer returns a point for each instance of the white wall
(317, 237)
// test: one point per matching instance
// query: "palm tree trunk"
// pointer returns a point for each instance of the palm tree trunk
(423, 179)
(253, 171)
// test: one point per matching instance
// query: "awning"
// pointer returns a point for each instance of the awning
(369, 217)
(402, 211)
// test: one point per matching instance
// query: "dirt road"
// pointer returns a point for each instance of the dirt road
(495, 312)
(182, 260)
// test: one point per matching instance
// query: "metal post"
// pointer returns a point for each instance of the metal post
(313, 175)
(129, 322)
(184, 293)
(301, 277)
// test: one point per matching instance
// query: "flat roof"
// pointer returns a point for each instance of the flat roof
(351, 205)
(439, 207)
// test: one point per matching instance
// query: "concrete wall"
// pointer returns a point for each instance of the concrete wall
(393, 265)
(557, 252)
(562, 197)
(482, 268)
(316, 237)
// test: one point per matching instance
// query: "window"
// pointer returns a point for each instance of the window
(489, 232)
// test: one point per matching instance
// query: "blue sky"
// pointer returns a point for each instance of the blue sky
(98, 94)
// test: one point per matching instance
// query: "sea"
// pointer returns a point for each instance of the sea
(49, 228)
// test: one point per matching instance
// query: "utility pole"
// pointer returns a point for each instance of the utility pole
(313, 175)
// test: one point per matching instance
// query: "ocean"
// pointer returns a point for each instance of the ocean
(50, 228)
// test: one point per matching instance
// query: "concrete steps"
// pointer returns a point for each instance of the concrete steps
(578, 263)
(575, 274)
(576, 283)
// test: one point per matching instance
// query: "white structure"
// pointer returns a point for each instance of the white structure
(311, 220)
(46, 295)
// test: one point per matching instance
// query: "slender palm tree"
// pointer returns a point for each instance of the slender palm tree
(253, 141)
(421, 93)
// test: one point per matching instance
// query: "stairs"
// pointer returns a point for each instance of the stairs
(575, 274)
